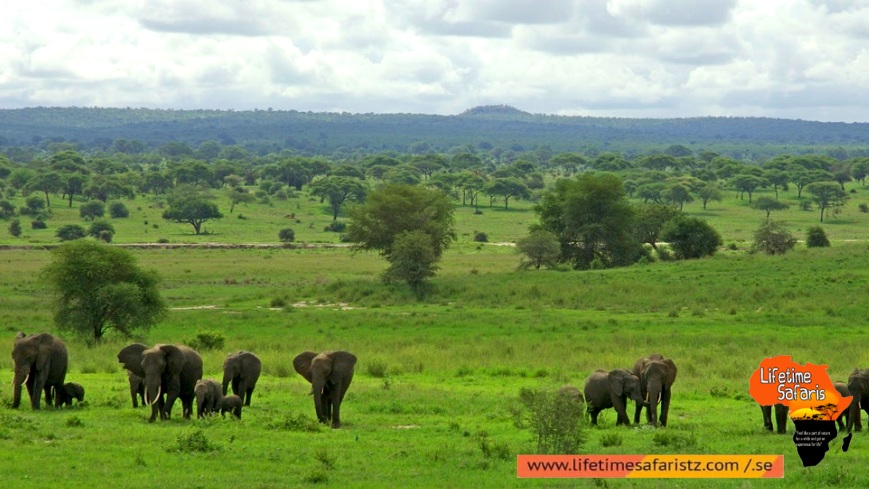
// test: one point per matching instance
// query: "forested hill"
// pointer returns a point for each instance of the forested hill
(263, 131)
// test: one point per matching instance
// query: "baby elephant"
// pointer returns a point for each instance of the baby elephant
(208, 395)
(65, 394)
(231, 404)
(612, 389)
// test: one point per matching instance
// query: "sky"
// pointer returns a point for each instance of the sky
(794, 59)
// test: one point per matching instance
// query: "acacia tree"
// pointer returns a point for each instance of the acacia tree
(541, 248)
(708, 192)
(396, 210)
(593, 220)
(691, 237)
(99, 288)
(507, 188)
(768, 205)
(193, 206)
(827, 195)
(338, 190)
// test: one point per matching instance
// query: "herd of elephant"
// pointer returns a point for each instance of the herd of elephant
(857, 386)
(164, 373)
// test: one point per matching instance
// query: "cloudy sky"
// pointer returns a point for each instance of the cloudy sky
(806, 59)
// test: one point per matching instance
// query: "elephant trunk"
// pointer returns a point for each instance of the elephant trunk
(319, 386)
(226, 379)
(656, 391)
(20, 379)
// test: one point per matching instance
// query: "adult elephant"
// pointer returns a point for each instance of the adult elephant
(168, 370)
(781, 418)
(208, 396)
(858, 385)
(604, 390)
(241, 369)
(40, 364)
(656, 375)
(842, 389)
(137, 388)
(330, 374)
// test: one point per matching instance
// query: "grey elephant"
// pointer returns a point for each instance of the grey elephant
(40, 364)
(842, 389)
(230, 404)
(64, 395)
(781, 418)
(137, 388)
(858, 386)
(657, 375)
(330, 374)
(241, 369)
(208, 395)
(170, 373)
(604, 390)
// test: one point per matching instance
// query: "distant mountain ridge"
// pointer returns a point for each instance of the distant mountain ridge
(503, 126)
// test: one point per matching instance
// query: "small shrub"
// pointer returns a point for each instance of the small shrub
(817, 238)
(15, 228)
(376, 368)
(74, 422)
(611, 440)
(287, 235)
(481, 237)
(71, 232)
(278, 302)
(38, 223)
(98, 227)
(7, 210)
(193, 441)
(163, 240)
(326, 458)
(806, 205)
(316, 476)
(556, 419)
(91, 210)
(106, 236)
(336, 227)
(117, 210)
(773, 238)
(492, 449)
(297, 423)
(206, 340)
(863, 208)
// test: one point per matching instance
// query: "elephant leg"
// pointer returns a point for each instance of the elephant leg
(781, 418)
(247, 395)
(638, 410)
(336, 408)
(665, 407)
(620, 405)
(593, 413)
(156, 408)
(767, 417)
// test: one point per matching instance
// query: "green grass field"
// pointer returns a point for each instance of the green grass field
(438, 379)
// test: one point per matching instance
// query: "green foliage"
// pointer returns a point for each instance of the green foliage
(773, 238)
(863, 207)
(540, 249)
(298, 423)
(193, 206)
(38, 223)
(556, 419)
(827, 195)
(287, 235)
(193, 441)
(99, 227)
(71, 232)
(394, 210)
(592, 218)
(335, 227)
(33, 205)
(767, 205)
(816, 237)
(481, 237)
(206, 341)
(98, 288)
(413, 259)
(91, 210)
(117, 210)
(15, 228)
(376, 368)
(338, 190)
(7, 209)
(611, 440)
(691, 237)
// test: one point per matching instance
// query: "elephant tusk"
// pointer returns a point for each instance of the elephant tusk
(25, 379)
(155, 398)
(646, 400)
(659, 398)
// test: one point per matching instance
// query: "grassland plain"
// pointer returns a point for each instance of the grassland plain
(436, 391)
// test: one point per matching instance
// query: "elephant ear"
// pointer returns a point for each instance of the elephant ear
(131, 357)
(671, 371)
(174, 358)
(44, 342)
(617, 382)
(302, 364)
(342, 364)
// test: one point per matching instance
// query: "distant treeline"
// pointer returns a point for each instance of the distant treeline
(343, 136)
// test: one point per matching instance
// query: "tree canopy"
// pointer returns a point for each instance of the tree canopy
(192, 206)
(99, 288)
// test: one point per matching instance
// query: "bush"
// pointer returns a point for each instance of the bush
(15, 228)
(481, 237)
(206, 340)
(7, 210)
(863, 207)
(806, 205)
(336, 226)
(99, 227)
(773, 238)
(105, 236)
(34, 205)
(193, 441)
(556, 419)
(91, 210)
(38, 223)
(690, 237)
(412, 260)
(287, 235)
(118, 210)
(71, 232)
(817, 238)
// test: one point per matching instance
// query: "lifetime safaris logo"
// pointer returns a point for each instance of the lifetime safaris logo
(813, 403)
